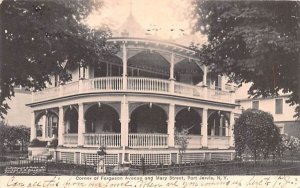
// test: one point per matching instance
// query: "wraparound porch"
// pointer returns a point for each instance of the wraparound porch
(134, 84)
(134, 125)
(141, 140)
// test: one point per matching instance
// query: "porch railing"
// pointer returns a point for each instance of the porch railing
(102, 139)
(156, 140)
(220, 142)
(219, 95)
(47, 93)
(194, 141)
(70, 88)
(134, 84)
(104, 84)
(148, 84)
(71, 139)
(189, 90)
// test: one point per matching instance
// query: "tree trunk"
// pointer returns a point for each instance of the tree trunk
(254, 157)
(298, 65)
(22, 145)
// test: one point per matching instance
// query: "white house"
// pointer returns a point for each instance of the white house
(18, 112)
(282, 112)
(132, 105)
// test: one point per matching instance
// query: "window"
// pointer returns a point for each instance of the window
(217, 125)
(255, 104)
(278, 106)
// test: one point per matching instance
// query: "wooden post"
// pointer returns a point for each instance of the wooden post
(204, 128)
(171, 126)
(81, 124)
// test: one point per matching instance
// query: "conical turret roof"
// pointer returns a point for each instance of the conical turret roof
(130, 28)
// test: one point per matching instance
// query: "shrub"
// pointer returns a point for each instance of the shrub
(54, 143)
(37, 143)
(256, 130)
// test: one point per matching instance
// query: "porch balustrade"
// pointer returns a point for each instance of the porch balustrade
(70, 88)
(104, 84)
(221, 142)
(219, 95)
(71, 139)
(188, 90)
(47, 93)
(108, 140)
(194, 141)
(137, 140)
(148, 84)
(134, 84)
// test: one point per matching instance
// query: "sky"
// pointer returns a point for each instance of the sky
(162, 14)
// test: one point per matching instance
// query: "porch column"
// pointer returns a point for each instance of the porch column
(124, 59)
(61, 127)
(82, 76)
(81, 124)
(171, 125)
(204, 75)
(33, 127)
(230, 130)
(232, 93)
(221, 82)
(82, 70)
(45, 131)
(204, 128)
(204, 82)
(124, 122)
(172, 79)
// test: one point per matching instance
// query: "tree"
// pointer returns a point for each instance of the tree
(256, 130)
(3, 135)
(41, 38)
(11, 136)
(253, 41)
(182, 140)
(289, 144)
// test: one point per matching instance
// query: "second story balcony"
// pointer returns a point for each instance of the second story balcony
(134, 85)
(145, 66)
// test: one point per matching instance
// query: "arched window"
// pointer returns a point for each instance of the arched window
(148, 119)
(189, 119)
(217, 124)
(71, 120)
(47, 124)
(102, 119)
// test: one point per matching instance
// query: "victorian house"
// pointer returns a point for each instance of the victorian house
(133, 105)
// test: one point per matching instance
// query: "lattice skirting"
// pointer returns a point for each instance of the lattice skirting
(92, 158)
(193, 157)
(67, 157)
(220, 156)
(150, 158)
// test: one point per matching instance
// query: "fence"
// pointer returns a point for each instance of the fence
(52, 167)
(263, 167)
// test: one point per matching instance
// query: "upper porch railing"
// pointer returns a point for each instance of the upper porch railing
(133, 84)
